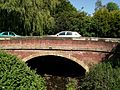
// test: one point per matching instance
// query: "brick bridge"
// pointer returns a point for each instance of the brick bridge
(85, 51)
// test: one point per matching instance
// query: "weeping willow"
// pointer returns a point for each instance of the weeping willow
(26, 17)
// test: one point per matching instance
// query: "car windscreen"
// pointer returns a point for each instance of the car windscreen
(62, 33)
(5, 33)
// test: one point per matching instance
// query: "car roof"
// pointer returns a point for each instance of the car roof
(68, 31)
(6, 31)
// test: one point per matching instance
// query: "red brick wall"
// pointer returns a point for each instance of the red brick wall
(83, 50)
(68, 44)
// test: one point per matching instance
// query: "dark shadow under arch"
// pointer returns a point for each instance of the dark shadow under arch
(56, 65)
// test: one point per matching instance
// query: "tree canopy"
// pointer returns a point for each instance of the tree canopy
(45, 17)
(112, 6)
(98, 5)
(26, 16)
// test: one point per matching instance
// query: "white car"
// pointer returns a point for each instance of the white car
(68, 34)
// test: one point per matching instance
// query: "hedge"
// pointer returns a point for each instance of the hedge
(104, 76)
(16, 75)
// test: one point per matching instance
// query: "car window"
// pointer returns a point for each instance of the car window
(62, 33)
(69, 33)
(11, 33)
(76, 33)
(5, 33)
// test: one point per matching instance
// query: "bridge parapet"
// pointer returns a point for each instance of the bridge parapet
(57, 43)
(62, 38)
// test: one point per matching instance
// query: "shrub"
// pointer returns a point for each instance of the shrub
(102, 77)
(15, 75)
(72, 84)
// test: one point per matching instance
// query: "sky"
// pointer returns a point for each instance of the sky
(89, 5)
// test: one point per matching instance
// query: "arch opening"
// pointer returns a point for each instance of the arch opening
(56, 65)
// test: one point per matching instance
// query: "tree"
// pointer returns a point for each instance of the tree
(62, 13)
(112, 6)
(101, 22)
(26, 16)
(98, 5)
(105, 23)
(114, 23)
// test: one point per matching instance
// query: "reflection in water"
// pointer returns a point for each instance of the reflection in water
(56, 70)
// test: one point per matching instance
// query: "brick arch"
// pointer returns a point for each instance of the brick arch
(68, 56)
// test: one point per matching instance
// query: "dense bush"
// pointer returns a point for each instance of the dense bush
(15, 75)
(72, 84)
(104, 76)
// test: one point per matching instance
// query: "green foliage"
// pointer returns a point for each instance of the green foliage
(105, 23)
(62, 14)
(72, 85)
(68, 18)
(43, 17)
(102, 77)
(15, 75)
(25, 16)
(101, 20)
(112, 6)
(114, 22)
(98, 5)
